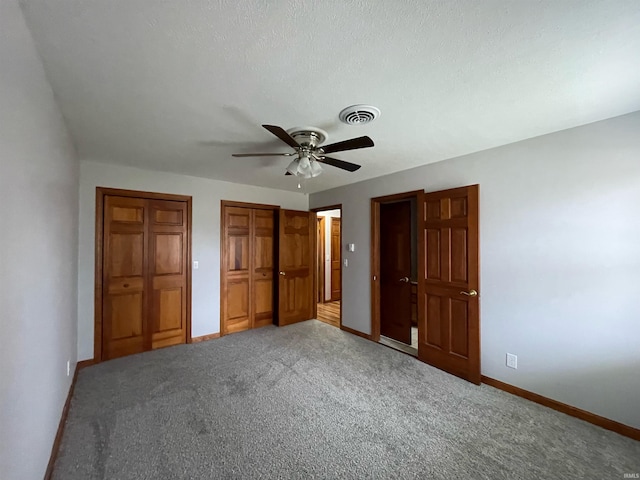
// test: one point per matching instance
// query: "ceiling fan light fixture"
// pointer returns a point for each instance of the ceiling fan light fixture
(316, 168)
(305, 162)
(304, 166)
(292, 168)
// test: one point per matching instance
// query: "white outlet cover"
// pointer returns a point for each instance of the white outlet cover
(512, 360)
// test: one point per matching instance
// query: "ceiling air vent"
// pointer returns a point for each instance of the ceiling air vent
(359, 114)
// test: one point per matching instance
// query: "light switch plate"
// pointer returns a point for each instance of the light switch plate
(195, 264)
(352, 247)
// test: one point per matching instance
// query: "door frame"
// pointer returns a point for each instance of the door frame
(320, 253)
(337, 206)
(332, 220)
(223, 253)
(101, 193)
(375, 252)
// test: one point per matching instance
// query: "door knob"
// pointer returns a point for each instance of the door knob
(282, 273)
(404, 279)
(470, 293)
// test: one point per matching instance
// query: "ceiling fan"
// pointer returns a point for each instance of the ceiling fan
(308, 152)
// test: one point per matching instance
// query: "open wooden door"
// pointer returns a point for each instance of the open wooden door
(448, 282)
(296, 273)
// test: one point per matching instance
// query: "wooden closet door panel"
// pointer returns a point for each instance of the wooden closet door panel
(236, 288)
(168, 257)
(262, 266)
(124, 270)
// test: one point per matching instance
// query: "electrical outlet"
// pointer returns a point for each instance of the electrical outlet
(68, 367)
(512, 360)
(195, 264)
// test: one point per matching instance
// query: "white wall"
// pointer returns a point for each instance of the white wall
(560, 259)
(327, 249)
(205, 311)
(39, 218)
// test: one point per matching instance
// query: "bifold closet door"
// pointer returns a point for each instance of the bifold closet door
(144, 275)
(167, 273)
(124, 277)
(263, 265)
(247, 269)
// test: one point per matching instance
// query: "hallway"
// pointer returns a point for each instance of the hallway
(329, 313)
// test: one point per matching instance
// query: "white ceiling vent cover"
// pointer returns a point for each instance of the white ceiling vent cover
(359, 114)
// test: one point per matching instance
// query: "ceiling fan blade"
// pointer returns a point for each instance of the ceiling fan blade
(282, 135)
(351, 167)
(352, 144)
(261, 154)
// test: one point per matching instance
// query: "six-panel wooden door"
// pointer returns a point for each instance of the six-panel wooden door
(295, 261)
(448, 282)
(144, 275)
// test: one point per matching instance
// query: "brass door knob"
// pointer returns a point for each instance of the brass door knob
(404, 279)
(282, 273)
(470, 293)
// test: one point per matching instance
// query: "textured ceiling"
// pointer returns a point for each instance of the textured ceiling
(178, 86)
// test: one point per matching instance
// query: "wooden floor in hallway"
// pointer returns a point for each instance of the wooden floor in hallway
(329, 313)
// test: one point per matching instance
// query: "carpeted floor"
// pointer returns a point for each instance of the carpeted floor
(311, 401)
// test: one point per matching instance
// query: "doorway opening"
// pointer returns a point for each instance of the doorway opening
(328, 295)
(395, 264)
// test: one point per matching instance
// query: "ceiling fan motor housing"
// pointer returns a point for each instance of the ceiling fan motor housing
(308, 136)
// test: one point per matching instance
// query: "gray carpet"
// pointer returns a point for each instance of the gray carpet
(311, 401)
